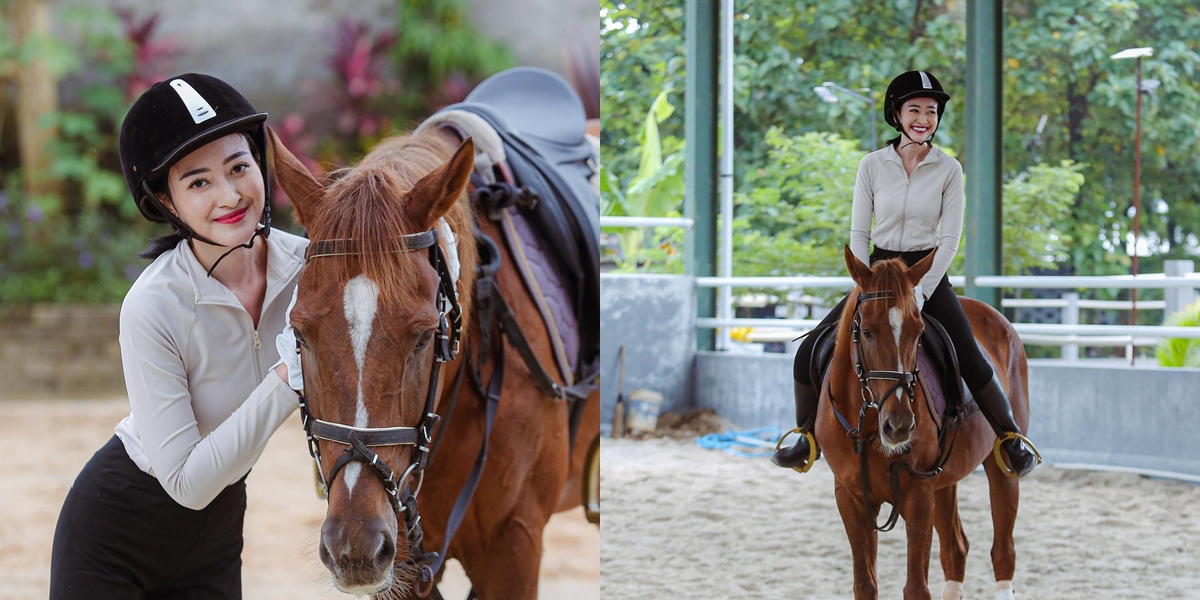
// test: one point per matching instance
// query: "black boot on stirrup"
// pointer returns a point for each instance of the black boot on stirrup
(994, 405)
(797, 456)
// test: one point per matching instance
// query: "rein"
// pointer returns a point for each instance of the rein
(402, 492)
(908, 380)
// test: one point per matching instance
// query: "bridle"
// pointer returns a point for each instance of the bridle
(402, 492)
(908, 380)
(904, 379)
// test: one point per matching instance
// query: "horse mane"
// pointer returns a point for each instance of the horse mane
(886, 275)
(368, 203)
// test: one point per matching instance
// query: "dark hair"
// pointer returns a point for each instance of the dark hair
(164, 243)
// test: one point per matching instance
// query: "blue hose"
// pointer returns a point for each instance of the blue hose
(740, 443)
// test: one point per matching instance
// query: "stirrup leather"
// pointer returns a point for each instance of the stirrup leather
(1012, 435)
(813, 452)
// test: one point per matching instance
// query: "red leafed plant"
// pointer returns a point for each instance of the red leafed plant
(359, 67)
(148, 56)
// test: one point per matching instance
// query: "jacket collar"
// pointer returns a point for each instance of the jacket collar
(282, 265)
(890, 153)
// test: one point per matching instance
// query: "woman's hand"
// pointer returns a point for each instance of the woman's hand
(288, 367)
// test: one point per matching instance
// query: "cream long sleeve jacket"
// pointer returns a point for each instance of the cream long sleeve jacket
(203, 397)
(908, 210)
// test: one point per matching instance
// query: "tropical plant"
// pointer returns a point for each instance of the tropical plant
(1181, 352)
(656, 190)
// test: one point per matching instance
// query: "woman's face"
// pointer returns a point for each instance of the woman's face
(218, 190)
(918, 118)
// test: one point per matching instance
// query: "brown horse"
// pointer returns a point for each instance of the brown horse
(879, 331)
(374, 321)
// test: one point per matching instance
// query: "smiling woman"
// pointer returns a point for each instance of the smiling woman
(159, 509)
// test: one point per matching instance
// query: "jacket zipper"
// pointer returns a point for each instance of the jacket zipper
(904, 207)
(257, 345)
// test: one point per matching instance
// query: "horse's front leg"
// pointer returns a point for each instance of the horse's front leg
(916, 506)
(509, 559)
(859, 521)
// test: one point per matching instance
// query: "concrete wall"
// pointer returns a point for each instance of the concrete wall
(652, 316)
(1143, 417)
(55, 350)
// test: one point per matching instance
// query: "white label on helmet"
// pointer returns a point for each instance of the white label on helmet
(197, 106)
(924, 82)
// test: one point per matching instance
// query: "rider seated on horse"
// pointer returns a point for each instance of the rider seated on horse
(910, 186)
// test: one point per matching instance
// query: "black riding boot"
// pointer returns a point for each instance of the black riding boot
(994, 405)
(806, 412)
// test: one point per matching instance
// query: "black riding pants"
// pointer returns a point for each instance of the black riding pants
(942, 304)
(120, 535)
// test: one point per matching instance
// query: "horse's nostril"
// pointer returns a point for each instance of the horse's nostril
(387, 548)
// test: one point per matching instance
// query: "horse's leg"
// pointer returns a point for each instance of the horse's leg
(1004, 492)
(917, 506)
(864, 540)
(514, 555)
(954, 544)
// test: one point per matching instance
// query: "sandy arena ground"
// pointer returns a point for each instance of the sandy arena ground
(684, 522)
(46, 443)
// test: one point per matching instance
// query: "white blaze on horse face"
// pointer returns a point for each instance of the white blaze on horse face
(897, 321)
(361, 300)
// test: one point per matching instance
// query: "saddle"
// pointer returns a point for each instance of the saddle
(533, 166)
(940, 376)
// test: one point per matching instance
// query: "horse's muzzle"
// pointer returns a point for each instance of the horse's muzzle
(358, 553)
(895, 429)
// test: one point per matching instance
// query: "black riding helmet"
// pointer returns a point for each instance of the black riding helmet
(169, 121)
(913, 84)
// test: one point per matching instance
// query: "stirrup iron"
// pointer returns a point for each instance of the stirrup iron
(813, 452)
(996, 453)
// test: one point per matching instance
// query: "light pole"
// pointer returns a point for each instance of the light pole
(1137, 53)
(826, 92)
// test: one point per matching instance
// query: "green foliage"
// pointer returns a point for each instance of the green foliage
(1037, 206)
(79, 245)
(1057, 64)
(797, 219)
(439, 56)
(88, 259)
(656, 190)
(1181, 352)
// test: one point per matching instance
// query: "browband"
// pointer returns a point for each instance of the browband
(350, 247)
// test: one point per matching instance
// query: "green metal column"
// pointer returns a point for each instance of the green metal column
(985, 150)
(700, 129)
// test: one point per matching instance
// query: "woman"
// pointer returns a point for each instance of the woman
(158, 511)
(909, 187)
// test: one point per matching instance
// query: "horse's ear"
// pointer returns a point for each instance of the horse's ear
(921, 268)
(436, 192)
(302, 188)
(860, 272)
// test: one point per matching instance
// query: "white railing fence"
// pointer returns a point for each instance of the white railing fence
(1179, 282)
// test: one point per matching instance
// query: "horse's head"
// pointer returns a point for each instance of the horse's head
(885, 326)
(369, 317)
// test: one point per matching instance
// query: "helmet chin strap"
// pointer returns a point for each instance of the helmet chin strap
(912, 141)
(190, 234)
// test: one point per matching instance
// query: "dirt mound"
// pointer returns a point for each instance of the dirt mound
(687, 425)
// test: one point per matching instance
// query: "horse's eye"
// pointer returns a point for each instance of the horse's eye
(426, 338)
(300, 338)
(867, 334)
